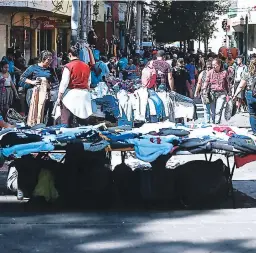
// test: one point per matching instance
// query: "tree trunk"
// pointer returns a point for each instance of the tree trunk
(205, 46)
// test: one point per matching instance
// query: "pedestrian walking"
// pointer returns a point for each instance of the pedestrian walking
(204, 95)
(248, 81)
(239, 70)
(217, 86)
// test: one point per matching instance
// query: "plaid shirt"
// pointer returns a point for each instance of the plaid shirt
(217, 81)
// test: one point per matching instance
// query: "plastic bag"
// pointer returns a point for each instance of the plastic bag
(45, 186)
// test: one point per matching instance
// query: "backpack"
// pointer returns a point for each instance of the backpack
(149, 75)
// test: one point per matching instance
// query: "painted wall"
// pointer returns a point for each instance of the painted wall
(46, 5)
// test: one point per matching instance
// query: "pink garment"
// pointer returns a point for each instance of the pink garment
(218, 81)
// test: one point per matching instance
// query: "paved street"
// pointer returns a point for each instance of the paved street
(206, 231)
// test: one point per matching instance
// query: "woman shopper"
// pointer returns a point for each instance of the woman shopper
(32, 78)
(239, 70)
(217, 87)
(8, 89)
(248, 82)
(74, 86)
(204, 95)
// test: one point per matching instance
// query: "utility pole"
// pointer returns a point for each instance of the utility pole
(84, 20)
(246, 38)
(105, 33)
(138, 26)
(74, 21)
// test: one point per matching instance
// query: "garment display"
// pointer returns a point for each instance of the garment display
(37, 104)
(125, 104)
(109, 105)
(158, 104)
(147, 151)
(141, 96)
(183, 106)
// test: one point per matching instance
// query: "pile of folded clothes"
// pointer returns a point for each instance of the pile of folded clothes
(149, 141)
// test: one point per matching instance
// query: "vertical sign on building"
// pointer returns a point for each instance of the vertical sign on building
(232, 12)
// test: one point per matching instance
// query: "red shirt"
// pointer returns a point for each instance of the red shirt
(79, 74)
(218, 81)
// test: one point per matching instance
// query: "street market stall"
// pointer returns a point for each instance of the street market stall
(83, 173)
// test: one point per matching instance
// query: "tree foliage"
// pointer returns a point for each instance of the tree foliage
(185, 20)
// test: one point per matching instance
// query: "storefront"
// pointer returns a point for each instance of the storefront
(34, 33)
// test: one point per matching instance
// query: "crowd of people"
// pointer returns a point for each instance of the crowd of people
(211, 77)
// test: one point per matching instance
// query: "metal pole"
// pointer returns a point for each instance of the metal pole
(89, 15)
(84, 20)
(74, 21)
(105, 33)
(138, 27)
(227, 38)
(246, 39)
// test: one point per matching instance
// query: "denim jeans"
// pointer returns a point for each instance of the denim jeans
(251, 102)
(207, 113)
(217, 106)
(160, 110)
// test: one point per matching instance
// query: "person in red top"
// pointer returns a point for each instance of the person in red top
(218, 84)
(73, 96)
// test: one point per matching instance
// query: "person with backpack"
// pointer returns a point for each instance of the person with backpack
(204, 95)
(239, 69)
(158, 73)
(216, 85)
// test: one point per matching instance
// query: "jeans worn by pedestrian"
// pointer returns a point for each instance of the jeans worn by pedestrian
(207, 113)
(217, 106)
(251, 102)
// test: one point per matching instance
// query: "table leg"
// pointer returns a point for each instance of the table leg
(230, 183)
(206, 158)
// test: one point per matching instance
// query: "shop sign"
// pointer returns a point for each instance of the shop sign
(47, 25)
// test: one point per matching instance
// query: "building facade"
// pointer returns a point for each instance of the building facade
(34, 26)
(236, 21)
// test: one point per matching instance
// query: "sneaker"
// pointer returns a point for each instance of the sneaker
(20, 195)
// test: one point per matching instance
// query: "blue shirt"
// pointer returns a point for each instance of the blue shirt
(104, 68)
(10, 63)
(191, 69)
(35, 71)
(95, 79)
(96, 54)
(122, 64)
(131, 75)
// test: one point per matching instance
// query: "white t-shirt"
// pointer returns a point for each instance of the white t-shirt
(8, 80)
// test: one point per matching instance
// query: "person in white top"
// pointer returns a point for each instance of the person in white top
(74, 96)
(239, 69)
